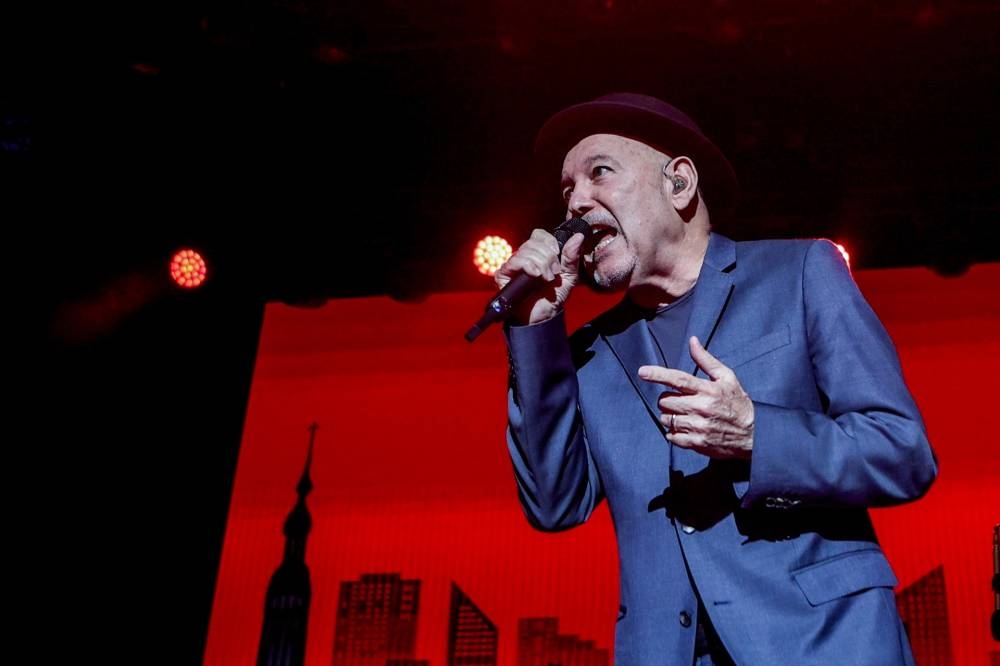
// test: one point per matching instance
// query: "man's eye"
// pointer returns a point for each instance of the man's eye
(599, 171)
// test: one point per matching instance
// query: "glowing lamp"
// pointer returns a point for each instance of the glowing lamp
(844, 252)
(188, 269)
(490, 253)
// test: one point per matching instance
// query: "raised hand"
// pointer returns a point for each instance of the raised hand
(712, 416)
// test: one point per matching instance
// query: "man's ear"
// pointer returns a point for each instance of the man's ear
(681, 181)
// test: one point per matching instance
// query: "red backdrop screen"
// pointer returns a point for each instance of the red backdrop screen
(411, 475)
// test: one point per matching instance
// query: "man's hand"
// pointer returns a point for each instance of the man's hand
(539, 257)
(711, 416)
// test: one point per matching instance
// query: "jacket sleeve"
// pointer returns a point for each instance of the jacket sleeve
(557, 481)
(868, 447)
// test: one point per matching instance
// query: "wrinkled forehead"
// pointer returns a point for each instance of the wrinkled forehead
(620, 148)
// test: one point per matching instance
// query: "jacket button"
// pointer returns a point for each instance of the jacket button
(685, 619)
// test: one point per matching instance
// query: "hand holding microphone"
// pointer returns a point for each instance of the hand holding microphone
(537, 280)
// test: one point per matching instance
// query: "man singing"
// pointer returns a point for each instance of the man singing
(740, 408)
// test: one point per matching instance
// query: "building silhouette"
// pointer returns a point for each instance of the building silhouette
(376, 620)
(539, 643)
(923, 605)
(286, 606)
(472, 637)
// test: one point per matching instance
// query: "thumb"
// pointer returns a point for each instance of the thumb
(571, 253)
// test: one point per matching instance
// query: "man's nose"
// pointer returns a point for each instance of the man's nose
(580, 201)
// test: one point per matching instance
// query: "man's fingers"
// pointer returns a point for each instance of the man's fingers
(521, 263)
(685, 403)
(538, 257)
(677, 379)
(712, 366)
(545, 238)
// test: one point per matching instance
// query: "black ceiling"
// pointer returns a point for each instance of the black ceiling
(361, 147)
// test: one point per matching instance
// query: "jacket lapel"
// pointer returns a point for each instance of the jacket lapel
(711, 295)
(632, 343)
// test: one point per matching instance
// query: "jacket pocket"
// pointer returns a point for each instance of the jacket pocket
(844, 574)
(755, 348)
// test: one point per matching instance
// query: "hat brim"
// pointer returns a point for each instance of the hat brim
(565, 129)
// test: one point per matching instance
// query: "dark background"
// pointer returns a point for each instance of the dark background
(319, 150)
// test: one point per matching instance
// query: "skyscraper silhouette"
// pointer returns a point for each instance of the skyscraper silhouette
(539, 643)
(286, 607)
(376, 620)
(472, 637)
(923, 605)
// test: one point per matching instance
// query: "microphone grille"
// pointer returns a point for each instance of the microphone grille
(565, 231)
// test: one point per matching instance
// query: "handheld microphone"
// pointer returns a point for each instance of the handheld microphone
(522, 284)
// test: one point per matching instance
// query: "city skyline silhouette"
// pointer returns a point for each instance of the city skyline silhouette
(378, 615)
(413, 477)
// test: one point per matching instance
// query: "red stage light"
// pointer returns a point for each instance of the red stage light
(490, 253)
(188, 269)
(843, 251)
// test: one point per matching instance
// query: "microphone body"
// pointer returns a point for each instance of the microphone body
(522, 284)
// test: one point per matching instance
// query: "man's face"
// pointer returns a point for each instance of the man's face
(617, 185)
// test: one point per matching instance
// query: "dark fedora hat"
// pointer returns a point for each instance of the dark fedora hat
(646, 119)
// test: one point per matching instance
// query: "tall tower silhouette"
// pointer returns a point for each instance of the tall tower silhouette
(472, 637)
(923, 605)
(286, 607)
(376, 620)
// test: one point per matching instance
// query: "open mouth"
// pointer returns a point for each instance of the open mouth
(600, 237)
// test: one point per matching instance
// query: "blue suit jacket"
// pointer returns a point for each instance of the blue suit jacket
(781, 548)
